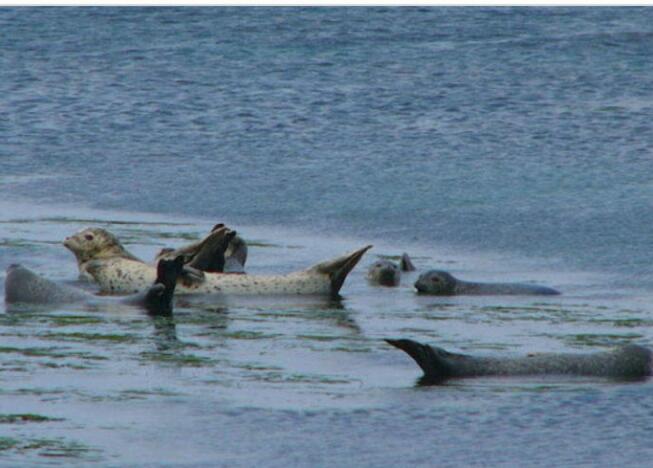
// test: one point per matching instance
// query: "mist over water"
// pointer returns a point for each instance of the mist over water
(503, 144)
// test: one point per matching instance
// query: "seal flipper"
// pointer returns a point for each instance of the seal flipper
(436, 369)
(210, 257)
(339, 268)
(405, 264)
(158, 299)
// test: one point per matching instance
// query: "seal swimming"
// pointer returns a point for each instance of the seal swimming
(22, 285)
(120, 274)
(442, 283)
(388, 273)
(624, 362)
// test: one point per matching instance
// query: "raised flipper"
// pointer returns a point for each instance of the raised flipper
(435, 367)
(210, 255)
(199, 256)
(158, 299)
(405, 264)
(339, 268)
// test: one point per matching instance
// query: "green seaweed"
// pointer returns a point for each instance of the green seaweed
(595, 339)
(68, 320)
(47, 447)
(26, 417)
(80, 336)
(249, 335)
(179, 359)
(52, 352)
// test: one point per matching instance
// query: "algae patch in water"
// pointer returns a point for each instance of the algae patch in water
(277, 377)
(25, 418)
(47, 447)
(53, 352)
(190, 360)
(68, 320)
(250, 335)
(79, 336)
(590, 339)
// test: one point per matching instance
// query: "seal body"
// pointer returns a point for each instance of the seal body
(624, 362)
(123, 276)
(22, 285)
(442, 283)
(120, 274)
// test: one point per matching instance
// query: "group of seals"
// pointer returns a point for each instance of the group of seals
(625, 362)
(200, 268)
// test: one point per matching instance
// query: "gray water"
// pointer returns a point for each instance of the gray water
(504, 144)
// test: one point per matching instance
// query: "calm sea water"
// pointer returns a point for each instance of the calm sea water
(499, 144)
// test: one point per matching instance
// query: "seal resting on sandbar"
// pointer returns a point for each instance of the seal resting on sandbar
(626, 362)
(119, 274)
(442, 283)
(388, 273)
(22, 285)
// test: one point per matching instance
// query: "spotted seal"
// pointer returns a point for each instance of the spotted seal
(123, 275)
(22, 285)
(388, 273)
(442, 283)
(624, 362)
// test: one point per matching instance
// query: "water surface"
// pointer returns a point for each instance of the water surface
(504, 144)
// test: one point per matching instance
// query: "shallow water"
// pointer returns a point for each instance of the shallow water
(498, 144)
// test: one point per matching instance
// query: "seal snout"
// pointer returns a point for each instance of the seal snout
(420, 286)
(69, 242)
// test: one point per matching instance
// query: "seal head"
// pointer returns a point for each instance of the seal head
(95, 243)
(436, 282)
(384, 272)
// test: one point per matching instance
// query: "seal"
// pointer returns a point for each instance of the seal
(626, 362)
(442, 283)
(388, 273)
(123, 275)
(22, 285)
(384, 273)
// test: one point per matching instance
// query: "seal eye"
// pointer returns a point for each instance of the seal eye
(88, 237)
